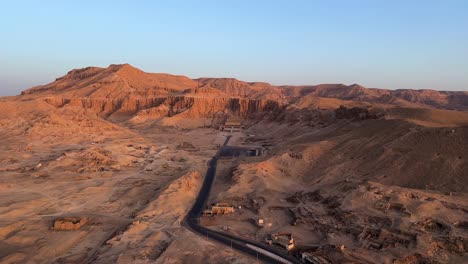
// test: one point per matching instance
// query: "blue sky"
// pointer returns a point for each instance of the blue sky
(388, 44)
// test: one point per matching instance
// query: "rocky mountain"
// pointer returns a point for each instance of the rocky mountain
(116, 82)
(451, 100)
(120, 81)
(122, 92)
(358, 175)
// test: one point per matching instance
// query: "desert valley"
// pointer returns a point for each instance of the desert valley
(110, 165)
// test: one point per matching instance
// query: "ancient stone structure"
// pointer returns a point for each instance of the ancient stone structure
(232, 125)
(69, 223)
(219, 209)
(284, 240)
(222, 208)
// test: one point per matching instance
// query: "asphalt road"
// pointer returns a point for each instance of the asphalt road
(260, 251)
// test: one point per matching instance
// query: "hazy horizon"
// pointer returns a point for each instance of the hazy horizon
(390, 45)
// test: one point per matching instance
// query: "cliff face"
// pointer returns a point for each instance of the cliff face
(121, 91)
(116, 81)
(169, 106)
(242, 89)
(403, 97)
(122, 81)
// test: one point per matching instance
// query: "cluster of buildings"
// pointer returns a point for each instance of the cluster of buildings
(219, 209)
(282, 240)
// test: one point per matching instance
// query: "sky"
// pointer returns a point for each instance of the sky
(376, 43)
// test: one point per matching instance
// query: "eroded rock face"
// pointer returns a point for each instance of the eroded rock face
(169, 106)
(438, 99)
(119, 82)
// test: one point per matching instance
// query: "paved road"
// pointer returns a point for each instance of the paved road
(192, 222)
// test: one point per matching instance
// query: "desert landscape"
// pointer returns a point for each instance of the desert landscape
(109, 165)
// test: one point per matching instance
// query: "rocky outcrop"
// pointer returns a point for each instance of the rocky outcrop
(234, 87)
(123, 90)
(122, 81)
(169, 106)
(452, 100)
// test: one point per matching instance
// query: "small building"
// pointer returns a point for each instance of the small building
(219, 209)
(261, 222)
(284, 240)
(251, 152)
(232, 125)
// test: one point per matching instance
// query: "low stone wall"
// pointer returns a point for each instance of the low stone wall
(69, 223)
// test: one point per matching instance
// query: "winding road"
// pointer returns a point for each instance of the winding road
(260, 251)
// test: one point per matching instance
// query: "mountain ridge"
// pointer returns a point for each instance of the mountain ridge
(123, 80)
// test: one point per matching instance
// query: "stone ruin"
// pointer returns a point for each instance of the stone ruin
(69, 223)
(361, 113)
(432, 225)
(377, 238)
(295, 155)
(187, 147)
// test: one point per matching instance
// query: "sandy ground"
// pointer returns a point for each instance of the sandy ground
(361, 191)
(328, 189)
(134, 184)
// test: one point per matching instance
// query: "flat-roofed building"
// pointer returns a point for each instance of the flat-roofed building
(219, 209)
(232, 125)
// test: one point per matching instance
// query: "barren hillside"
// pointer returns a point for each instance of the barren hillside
(357, 175)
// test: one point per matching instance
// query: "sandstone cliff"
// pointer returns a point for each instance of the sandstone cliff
(452, 100)
(122, 91)
(122, 109)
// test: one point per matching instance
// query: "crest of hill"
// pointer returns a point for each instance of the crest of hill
(115, 81)
(451, 100)
(237, 88)
(125, 81)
